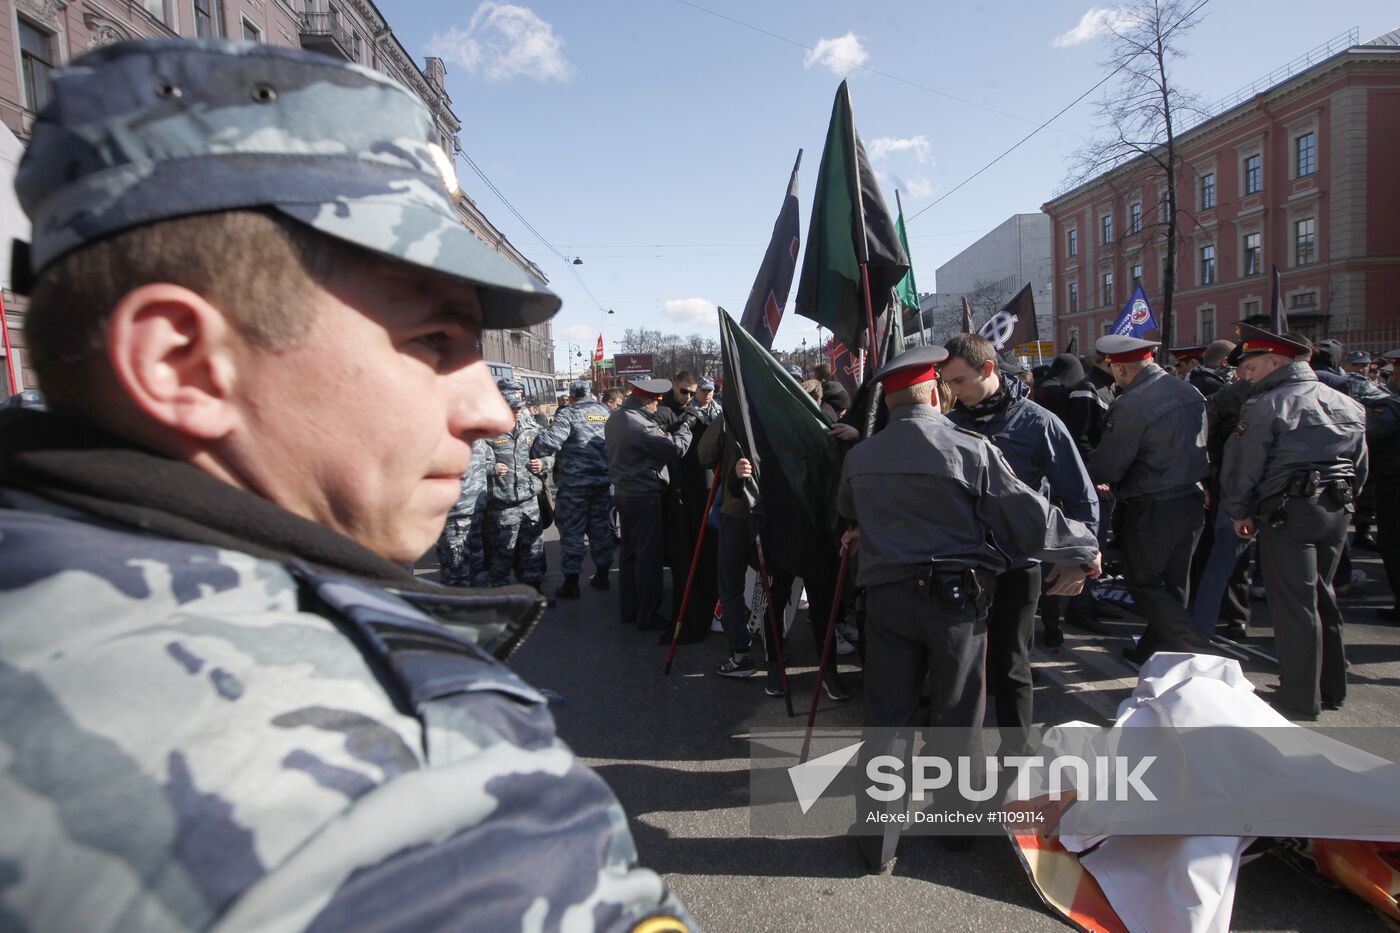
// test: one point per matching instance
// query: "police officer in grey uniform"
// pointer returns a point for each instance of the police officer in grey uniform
(585, 498)
(461, 550)
(1291, 471)
(927, 499)
(639, 452)
(514, 526)
(228, 703)
(1152, 456)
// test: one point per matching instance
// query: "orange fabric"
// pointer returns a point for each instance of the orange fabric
(1131, 356)
(908, 376)
(1269, 346)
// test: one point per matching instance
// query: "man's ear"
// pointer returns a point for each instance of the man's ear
(172, 353)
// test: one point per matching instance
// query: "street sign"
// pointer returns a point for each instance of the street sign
(1043, 348)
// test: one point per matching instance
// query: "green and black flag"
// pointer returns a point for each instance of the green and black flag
(782, 431)
(850, 226)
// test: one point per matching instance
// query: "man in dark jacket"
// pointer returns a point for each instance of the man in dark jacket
(1042, 454)
(1213, 374)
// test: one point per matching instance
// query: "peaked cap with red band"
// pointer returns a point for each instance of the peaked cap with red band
(1257, 340)
(650, 388)
(911, 368)
(1120, 349)
(1188, 353)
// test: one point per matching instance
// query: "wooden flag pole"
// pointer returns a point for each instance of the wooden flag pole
(774, 632)
(694, 562)
(830, 636)
(9, 354)
(869, 320)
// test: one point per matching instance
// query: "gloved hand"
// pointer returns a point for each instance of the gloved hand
(688, 418)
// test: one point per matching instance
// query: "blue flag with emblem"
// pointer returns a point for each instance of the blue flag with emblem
(1136, 318)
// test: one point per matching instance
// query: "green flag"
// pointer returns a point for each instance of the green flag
(850, 225)
(908, 291)
(782, 432)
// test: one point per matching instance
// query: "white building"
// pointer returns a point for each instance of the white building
(991, 271)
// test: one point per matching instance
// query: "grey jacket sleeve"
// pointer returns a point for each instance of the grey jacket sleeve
(1117, 449)
(552, 438)
(1015, 512)
(664, 446)
(1246, 457)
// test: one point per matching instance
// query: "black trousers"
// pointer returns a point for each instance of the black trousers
(639, 559)
(910, 639)
(1300, 557)
(1159, 537)
(1388, 529)
(1010, 628)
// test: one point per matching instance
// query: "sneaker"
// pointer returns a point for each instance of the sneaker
(835, 688)
(1234, 631)
(737, 666)
(774, 685)
(1355, 581)
(842, 646)
(716, 624)
(848, 631)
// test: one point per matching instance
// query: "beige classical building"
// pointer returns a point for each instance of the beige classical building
(38, 36)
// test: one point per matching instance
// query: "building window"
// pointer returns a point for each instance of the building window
(1073, 336)
(251, 33)
(1106, 225)
(308, 6)
(355, 44)
(206, 18)
(1073, 297)
(1105, 327)
(1305, 154)
(1207, 191)
(1253, 174)
(157, 8)
(1108, 288)
(1253, 254)
(1205, 325)
(1136, 273)
(1304, 241)
(1072, 238)
(1304, 300)
(1135, 218)
(1207, 265)
(36, 63)
(1164, 206)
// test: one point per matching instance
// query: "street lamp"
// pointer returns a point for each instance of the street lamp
(804, 354)
(575, 260)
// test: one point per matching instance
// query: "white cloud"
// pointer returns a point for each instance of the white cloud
(917, 187)
(882, 146)
(840, 56)
(691, 311)
(577, 333)
(1094, 23)
(504, 41)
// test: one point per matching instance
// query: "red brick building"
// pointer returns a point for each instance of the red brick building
(1301, 172)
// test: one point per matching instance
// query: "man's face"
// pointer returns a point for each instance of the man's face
(683, 393)
(969, 385)
(703, 396)
(1184, 367)
(612, 402)
(1256, 367)
(366, 424)
(651, 403)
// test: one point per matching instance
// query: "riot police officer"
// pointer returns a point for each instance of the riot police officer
(461, 549)
(513, 521)
(923, 496)
(1152, 458)
(1291, 470)
(585, 499)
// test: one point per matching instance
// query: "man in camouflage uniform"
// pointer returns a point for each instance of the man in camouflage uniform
(224, 700)
(461, 550)
(585, 498)
(513, 523)
(704, 403)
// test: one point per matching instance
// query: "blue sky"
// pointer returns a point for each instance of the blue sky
(654, 140)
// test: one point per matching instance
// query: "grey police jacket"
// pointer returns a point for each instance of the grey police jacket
(925, 490)
(639, 450)
(518, 484)
(195, 738)
(1154, 439)
(473, 497)
(1291, 423)
(576, 436)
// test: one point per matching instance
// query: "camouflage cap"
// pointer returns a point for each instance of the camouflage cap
(138, 132)
(579, 387)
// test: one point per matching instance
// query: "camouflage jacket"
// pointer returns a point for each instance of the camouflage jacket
(196, 738)
(513, 451)
(577, 436)
(473, 497)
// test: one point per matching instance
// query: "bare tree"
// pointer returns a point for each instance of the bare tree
(1141, 116)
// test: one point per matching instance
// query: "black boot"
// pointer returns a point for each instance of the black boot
(569, 590)
(600, 578)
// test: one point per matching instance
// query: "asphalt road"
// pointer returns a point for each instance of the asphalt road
(674, 750)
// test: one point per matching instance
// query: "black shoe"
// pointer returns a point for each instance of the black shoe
(1332, 704)
(1054, 635)
(1135, 656)
(1367, 541)
(1235, 631)
(1389, 613)
(569, 589)
(1283, 709)
(835, 687)
(737, 666)
(600, 579)
(871, 854)
(774, 684)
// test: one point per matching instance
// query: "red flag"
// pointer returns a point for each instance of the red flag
(598, 350)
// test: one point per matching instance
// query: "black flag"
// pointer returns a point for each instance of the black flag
(769, 294)
(1278, 317)
(1013, 324)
